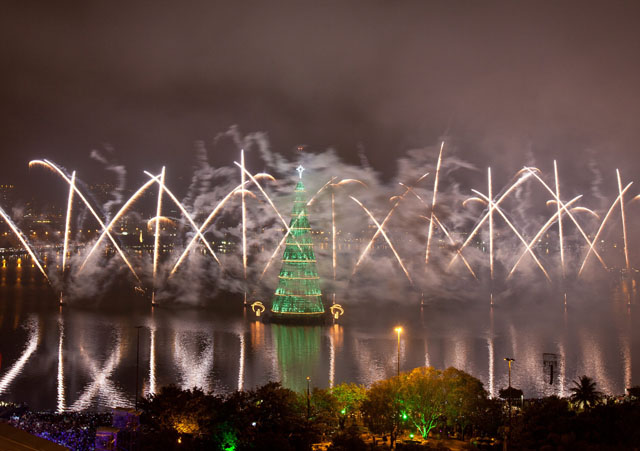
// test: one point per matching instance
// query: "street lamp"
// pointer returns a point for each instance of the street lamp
(399, 331)
(509, 360)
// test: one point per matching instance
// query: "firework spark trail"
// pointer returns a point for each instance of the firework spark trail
(255, 182)
(106, 230)
(156, 241)
(333, 232)
(378, 232)
(244, 216)
(560, 233)
(282, 241)
(586, 210)
(595, 239)
(452, 241)
(65, 245)
(24, 242)
(624, 222)
(385, 237)
(333, 218)
(511, 226)
(521, 179)
(441, 225)
(163, 220)
(533, 171)
(490, 185)
(542, 230)
(55, 168)
(210, 218)
(398, 199)
(433, 204)
(204, 225)
(186, 215)
(253, 179)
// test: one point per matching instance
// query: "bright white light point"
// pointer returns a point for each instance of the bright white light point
(300, 170)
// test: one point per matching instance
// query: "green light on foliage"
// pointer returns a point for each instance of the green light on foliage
(228, 439)
(404, 416)
(411, 436)
(343, 411)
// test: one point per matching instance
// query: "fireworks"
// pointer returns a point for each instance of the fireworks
(455, 241)
(433, 203)
(381, 229)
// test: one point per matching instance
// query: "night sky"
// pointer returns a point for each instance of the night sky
(503, 81)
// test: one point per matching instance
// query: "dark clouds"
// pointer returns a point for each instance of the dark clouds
(552, 79)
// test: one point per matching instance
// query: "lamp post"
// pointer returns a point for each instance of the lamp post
(509, 360)
(137, 365)
(399, 331)
(308, 397)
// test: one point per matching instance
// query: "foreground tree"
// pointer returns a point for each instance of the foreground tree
(466, 399)
(174, 416)
(424, 395)
(349, 439)
(584, 393)
(634, 392)
(544, 423)
(273, 417)
(382, 409)
(349, 399)
(324, 410)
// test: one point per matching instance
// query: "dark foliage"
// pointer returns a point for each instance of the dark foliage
(548, 423)
(584, 392)
(267, 418)
(348, 440)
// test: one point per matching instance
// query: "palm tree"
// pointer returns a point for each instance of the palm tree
(584, 392)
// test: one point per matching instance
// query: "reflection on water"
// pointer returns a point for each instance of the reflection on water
(335, 343)
(33, 328)
(85, 358)
(193, 355)
(298, 350)
(101, 387)
(62, 405)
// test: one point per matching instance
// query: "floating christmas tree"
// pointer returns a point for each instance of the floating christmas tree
(298, 296)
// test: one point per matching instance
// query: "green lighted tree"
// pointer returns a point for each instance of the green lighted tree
(424, 397)
(298, 294)
(349, 399)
